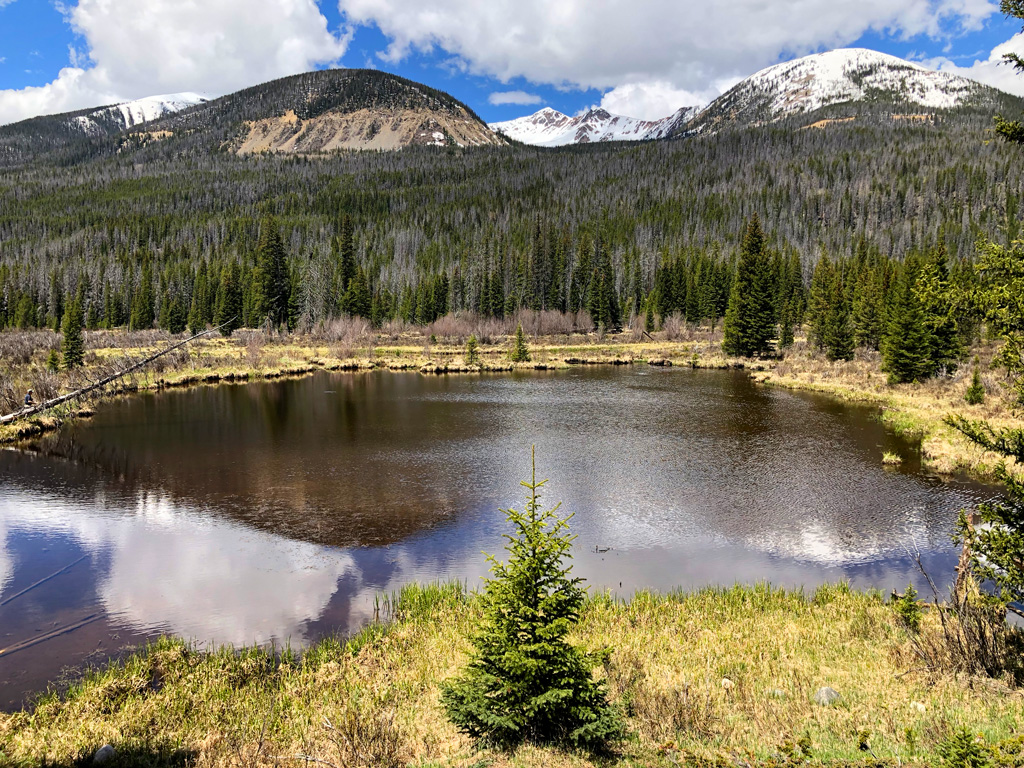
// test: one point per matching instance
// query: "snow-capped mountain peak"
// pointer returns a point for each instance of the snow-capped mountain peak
(132, 113)
(551, 128)
(153, 107)
(842, 76)
(853, 74)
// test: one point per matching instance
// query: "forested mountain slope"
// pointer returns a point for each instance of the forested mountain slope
(501, 216)
(74, 136)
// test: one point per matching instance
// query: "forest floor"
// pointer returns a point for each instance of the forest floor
(724, 677)
(915, 410)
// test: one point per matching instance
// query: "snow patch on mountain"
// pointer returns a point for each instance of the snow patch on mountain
(837, 77)
(133, 113)
(144, 110)
(551, 128)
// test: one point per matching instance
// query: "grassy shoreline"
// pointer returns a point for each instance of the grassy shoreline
(715, 677)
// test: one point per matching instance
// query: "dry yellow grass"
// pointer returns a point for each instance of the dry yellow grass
(374, 700)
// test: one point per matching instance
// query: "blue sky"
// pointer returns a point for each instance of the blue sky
(644, 57)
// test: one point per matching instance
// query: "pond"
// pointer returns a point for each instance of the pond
(278, 511)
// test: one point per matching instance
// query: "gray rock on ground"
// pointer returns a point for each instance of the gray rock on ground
(826, 697)
(103, 754)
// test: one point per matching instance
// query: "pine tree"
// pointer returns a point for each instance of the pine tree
(520, 351)
(786, 327)
(271, 282)
(72, 345)
(356, 301)
(197, 317)
(975, 394)
(1001, 272)
(229, 301)
(837, 333)
(472, 351)
(822, 288)
(346, 254)
(525, 682)
(750, 317)
(143, 309)
(868, 306)
(938, 301)
(905, 353)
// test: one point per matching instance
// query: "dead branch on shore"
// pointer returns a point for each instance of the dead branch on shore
(92, 387)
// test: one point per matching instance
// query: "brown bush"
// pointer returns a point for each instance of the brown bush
(19, 347)
(583, 322)
(673, 327)
(351, 331)
(9, 399)
(121, 339)
(45, 386)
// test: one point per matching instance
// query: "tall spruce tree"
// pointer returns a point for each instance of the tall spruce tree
(905, 346)
(356, 301)
(271, 277)
(143, 308)
(229, 300)
(939, 307)
(1000, 297)
(837, 331)
(525, 682)
(72, 345)
(750, 317)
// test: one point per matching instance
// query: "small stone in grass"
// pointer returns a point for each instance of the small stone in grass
(103, 754)
(826, 697)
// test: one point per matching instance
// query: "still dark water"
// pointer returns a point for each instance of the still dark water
(276, 512)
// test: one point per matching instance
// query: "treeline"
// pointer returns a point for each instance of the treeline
(920, 311)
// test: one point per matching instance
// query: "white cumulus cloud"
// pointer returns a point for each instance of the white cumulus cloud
(656, 47)
(654, 100)
(992, 71)
(513, 97)
(135, 49)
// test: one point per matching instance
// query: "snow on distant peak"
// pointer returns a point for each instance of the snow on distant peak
(153, 107)
(854, 74)
(551, 128)
(132, 113)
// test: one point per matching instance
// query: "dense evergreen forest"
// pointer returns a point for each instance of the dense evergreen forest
(165, 234)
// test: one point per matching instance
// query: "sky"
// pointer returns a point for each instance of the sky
(504, 58)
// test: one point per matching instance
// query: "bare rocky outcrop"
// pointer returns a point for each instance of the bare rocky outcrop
(375, 128)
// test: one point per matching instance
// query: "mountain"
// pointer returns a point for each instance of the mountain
(551, 128)
(849, 82)
(133, 113)
(328, 110)
(83, 132)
